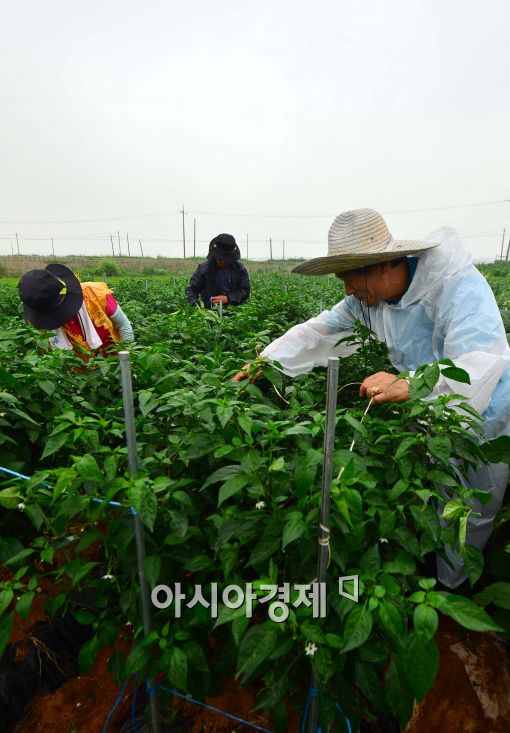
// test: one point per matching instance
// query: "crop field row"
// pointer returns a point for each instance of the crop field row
(228, 490)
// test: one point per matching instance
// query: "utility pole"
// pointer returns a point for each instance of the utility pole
(502, 245)
(270, 249)
(183, 232)
(52, 247)
(12, 250)
(127, 239)
(17, 243)
(113, 248)
(140, 243)
(118, 237)
(284, 249)
(194, 235)
(507, 250)
(246, 246)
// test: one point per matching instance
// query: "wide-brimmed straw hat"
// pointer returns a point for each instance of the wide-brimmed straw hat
(51, 296)
(224, 247)
(358, 238)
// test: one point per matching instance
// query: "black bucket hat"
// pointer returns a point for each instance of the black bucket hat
(225, 247)
(51, 296)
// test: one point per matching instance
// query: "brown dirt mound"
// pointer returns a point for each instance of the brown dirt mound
(470, 695)
(472, 691)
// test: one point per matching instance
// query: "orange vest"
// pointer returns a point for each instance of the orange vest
(94, 297)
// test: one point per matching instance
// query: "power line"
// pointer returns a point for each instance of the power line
(91, 221)
(444, 208)
(243, 215)
(322, 216)
(98, 238)
(166, 240)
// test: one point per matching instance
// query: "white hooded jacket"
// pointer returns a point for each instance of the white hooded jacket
(448, 311)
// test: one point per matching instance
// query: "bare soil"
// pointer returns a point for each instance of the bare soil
(470, 695)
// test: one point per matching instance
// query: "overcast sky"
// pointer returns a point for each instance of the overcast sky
(264, 118)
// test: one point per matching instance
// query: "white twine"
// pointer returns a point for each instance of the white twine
(324, 541)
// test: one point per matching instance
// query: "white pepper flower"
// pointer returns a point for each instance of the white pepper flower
(382, 539)
(21, 506)
(310, 649)
(108, 577)
(260, 505)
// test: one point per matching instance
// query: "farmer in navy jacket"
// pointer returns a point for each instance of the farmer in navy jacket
(221, 278)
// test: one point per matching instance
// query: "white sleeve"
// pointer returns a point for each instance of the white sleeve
(310, 344)
(121, 321)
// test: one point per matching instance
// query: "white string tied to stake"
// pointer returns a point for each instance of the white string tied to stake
(325, 541)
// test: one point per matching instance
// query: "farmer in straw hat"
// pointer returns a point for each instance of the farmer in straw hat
(426, 301)
(82, 315)
(222, 278)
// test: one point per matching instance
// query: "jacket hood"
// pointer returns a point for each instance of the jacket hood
(436, 265)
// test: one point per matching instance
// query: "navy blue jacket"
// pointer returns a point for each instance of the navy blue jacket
(209, 279)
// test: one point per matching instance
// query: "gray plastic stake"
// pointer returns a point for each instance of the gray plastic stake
(129, 418)
(327, 475)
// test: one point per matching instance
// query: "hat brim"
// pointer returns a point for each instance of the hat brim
(353, 261)
(217, 254)
(69, 307)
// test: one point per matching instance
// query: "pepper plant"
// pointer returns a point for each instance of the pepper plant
(229, 492)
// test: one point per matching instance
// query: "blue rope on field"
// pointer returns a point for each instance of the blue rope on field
(347, 721)
(115, 705)
(314, 692)
(48, 486)
(20, 475)
(133, 705)
(153, 691)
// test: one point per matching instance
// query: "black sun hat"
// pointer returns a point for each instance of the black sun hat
(225, 247)
(51, 296)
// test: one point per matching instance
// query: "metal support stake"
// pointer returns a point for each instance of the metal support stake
(220, 309)
(327, 475)
(129, 418)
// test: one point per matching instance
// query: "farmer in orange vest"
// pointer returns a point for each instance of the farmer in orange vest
(82, 315)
